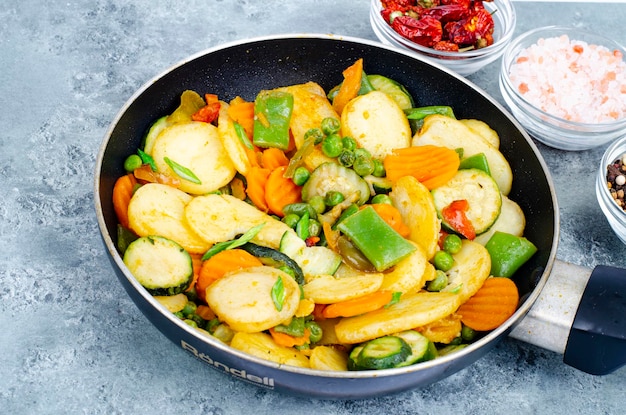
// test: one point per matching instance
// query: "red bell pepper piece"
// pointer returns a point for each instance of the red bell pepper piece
(454, 216)
(210, 111)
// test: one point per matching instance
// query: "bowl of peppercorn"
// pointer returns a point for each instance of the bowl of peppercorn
(611, 186)
(464, 36)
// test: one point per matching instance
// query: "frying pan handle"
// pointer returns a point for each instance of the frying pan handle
(581, 314)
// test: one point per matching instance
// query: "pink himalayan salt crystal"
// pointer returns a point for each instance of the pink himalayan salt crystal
(572, 80)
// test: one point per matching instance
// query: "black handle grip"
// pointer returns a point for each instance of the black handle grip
(597, 339)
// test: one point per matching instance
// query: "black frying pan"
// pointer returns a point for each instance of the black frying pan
(245, 68)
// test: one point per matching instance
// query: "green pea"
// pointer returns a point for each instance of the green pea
(333, 198)
(363, 166)
(316, 134)
(452, 243)
(379, 169)
(315, 331)
(191, 323)
(331, 146)
(199, 320)
(349, 143)
(314, 227)
(132, 162)
(330, 125)
(362, 152)
(439, 283)
(179, 314)
(382, 199)
(346, 158)
(301, 175)
(443, 261)
(317, 203)
(291, 220)
(189, 309)
(467, 333)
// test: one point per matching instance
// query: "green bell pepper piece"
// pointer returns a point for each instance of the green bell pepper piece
(477, 161)
(272, 114)
(422, 112)
(295, 327)
(379, 242)
(508, 252)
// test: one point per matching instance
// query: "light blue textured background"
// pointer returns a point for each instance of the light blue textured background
(71, 340)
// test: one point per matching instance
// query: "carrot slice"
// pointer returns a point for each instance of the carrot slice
(492, 304)
(272, 158)
(286, 340)
(242, 112)
(196, 262)
(122, 192)
(205, 312)
(392, 216)
(432, 165)
(221, 263)
(350, 87)
(281, 191)
(256, 180)
(359, 305)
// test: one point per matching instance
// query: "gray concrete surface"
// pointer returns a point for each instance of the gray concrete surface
(71, 340)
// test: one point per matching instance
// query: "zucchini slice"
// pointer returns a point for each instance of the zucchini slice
(152, 134)
(314, 260)
(332, 176)
(479, 189)
(392, 88)
(275, 258)
(161, 265)
(422, 349)
(378, 185)
(383, 353)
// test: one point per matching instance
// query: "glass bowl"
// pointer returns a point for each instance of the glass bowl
(615, 215)
(464, 63)
(543, 124)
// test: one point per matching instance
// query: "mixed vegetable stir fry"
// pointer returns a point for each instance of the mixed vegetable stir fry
(339, 230)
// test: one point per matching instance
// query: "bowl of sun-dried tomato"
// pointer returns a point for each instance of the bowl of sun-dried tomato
(611, 186)
(462, 35)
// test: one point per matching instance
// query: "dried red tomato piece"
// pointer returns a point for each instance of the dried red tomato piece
(425, 31)
(472, 29)
(447, 13)
(446, 45)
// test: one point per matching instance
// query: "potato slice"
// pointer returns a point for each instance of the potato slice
(218, 218)
(328, 358)
(472, 265)
(158, 209)
(443, 330)
(243, 299)
(173, 303)
(235, 149)
(377, 123)
(327, 289)
(417, 208)
(444, 131)
(196, 146)
(511, 220)
(413, 310)
(409, 275)
(263, 346)
(484, 130)
(310, 107)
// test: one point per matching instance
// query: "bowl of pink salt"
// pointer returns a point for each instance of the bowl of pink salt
(566, 86)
